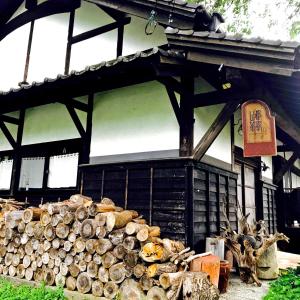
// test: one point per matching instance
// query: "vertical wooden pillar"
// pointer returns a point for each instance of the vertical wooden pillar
(17, 156)
(186, 135)
(120, 41)
(86, 147)
(69, 44)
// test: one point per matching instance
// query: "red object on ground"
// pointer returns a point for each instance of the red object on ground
(224, 276)
(209, 264)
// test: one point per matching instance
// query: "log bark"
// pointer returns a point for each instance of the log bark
(100, 219)
(83, 283)
(118, 219)
(31, 214)
(158, 269)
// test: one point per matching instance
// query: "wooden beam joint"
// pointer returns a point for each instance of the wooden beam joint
(76, 120)
(285, 167)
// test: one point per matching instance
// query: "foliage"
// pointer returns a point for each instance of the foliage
(241, 14)
(285, 287)
(24, 292)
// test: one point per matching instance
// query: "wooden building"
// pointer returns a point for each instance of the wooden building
(156, 126)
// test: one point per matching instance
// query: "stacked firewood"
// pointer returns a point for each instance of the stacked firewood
(96, 248)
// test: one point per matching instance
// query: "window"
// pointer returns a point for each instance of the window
(63, 170)
(32, 171)
(5, 173)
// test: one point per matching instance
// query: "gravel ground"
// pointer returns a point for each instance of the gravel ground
(241, 291)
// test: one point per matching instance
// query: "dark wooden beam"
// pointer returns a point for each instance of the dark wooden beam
(75, 104)
(88, 136)
(42, 10)
(115, 14)
(174, 85)
(17, 156)
(215, 129)
(221, 96)
(76, 120)
(186, 129)
(174, 104)
(28, 52)
(30, 4)
(286, 148)
(100, 30)
(284, 168)
(7, 9)
(120, 41)
(69, 43)
(8, 119)
(8, 135)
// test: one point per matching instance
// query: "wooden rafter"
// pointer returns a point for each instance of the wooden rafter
(8, 135)
(9, 119)
(75, 104)
(100, 30)
(174, 104)
(173, 84)
(76, 120)
(69, 43)
(285, 167)
(42, 10)
(215, 129)
(286, 148)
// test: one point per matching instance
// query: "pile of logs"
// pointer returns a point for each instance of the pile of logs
(96, 248)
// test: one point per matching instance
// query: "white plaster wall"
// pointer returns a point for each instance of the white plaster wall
(133, 119)
(204, 117)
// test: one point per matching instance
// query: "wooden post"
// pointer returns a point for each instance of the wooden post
(28, 52)
(279, 175)
(69, 44)
(186, 135)
(120, 40)
(17, 157)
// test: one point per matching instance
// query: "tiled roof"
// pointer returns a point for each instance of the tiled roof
(257, 54)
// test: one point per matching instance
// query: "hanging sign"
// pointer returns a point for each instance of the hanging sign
(258, 129)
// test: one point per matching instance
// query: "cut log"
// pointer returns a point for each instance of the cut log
(87, 257)
(67, 246)
(119, 251)
(21, 227)
(133, 228)
(62, 253)
(51, 263)
(38, 231)
(100, 232)
(81, 213)
(56, 219)
(31, 214)
(130, 243)
(62, 230)
(97, 259)
(60, 280)
(71, 283)
(9, 233)
(15, 260)
(103, 245)
(49, 277)
(2, 250)
(97, 288)
(28, 248)
(83, 283)
(45, 218)
(117, 236)
(143, 234)
(90, 246)
(81, 200)
(55, 243)
(110, 290)
(146, 283)
(68, 218)
(76, 227)
(72, 237)
(88, 229)
(103, 274)
(12, 271)
(69, 259)
(131, 290)
(13, 219)
(82, 265)
(117, 272)
(92, 269)
(118, 219)
(158, 269)
(167, 280)
(154, 231)
(29, 229)
(63, 269)
(49, 233)
(100, 219)
(74, 270)
(79, 245)
(46, 245)
(45, 258)
(152, 252)
(131, 258)
(20, 271)
(197, 283)
(157, 293)
(139, 270)
(29, 273)
(108, 259)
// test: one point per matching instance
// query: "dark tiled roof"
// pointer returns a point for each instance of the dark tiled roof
(185, 15)
(257, 54)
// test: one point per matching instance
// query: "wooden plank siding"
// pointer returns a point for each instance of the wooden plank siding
(181, 196)
(269, 207)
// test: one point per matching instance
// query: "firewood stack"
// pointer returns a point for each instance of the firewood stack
(96, 248)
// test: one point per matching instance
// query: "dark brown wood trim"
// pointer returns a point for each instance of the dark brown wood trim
(30, 37)
(174, 104)
(120, 41)
(69, 42)
(284, 168)
(9, 119)
(215, 129)
(8, 135)
(76, 120)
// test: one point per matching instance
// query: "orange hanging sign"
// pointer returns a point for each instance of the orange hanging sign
(258, 129)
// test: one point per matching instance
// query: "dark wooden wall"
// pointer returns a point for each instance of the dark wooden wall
(179, 195)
